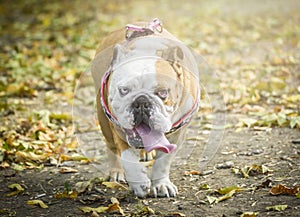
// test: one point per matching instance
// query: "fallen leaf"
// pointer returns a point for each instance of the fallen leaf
(277, 207)
(178, 214)
(245, 171)
(204, 187)
(113, 185)
(32, 156)
(235, 170)
(37, 203)
(68, 170)
(211, 199)
(61, 116)
(94, 214)
(248, 122)
(145, 211)
(66, 194)
(226, 196)
(114, 200)
(264, 169)
(228, 189)
(298, 195)
(74, 157)
(115, 207)
(100, 209)
(83, 186)
(4, 165)
(282, 190)
(18, 189)
(295, 121)
(192, 172)
(250, 214)
(252, 170)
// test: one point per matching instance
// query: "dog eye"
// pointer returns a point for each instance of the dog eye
(163, 94)
(124, 91)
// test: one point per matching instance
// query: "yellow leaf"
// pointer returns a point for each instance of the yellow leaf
(277, 83)
(65, 194)
(211, 199)
(248, 122)
(113, 185)
(277, 207)
(265, 169)
(19, 189)
(145, 211)
(228, 189)
(38, 203)
(68, 170)
(293, 98)
(74, 157)
(61, 116)
(178, 214)
(115, 207)
(226, 196)
(100, 209)
(84, 186)
(32, 156)
(204, 187)
(250, 214)
(114, 200)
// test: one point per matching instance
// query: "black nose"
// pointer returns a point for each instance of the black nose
(141, 109)
(141, 103)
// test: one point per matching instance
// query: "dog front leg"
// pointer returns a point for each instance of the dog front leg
(135, 172)
(161, 185)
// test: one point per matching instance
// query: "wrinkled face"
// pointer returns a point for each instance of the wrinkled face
(144, 92)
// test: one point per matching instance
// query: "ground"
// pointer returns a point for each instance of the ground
(243, 143)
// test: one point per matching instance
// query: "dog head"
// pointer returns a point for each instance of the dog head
(149, 90)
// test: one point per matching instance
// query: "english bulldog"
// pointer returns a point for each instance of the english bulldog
(147, 91)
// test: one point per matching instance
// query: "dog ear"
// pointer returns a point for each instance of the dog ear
(175, 56)
(118, 54)
(177, 53)
(172, 54)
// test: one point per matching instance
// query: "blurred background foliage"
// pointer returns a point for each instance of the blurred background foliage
(253, 47)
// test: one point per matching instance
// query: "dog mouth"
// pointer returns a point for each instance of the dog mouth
(143, 137)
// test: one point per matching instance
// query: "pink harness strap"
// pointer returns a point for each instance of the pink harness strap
(133, 31)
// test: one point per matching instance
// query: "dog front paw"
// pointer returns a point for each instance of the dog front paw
(117, 175)
(140, 189)
(163, 188)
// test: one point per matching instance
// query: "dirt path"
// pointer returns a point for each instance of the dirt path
(273, 149)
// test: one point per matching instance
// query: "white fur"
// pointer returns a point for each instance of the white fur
(136, 173)
(139, 76)
(160, 182)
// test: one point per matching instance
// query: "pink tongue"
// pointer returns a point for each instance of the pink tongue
(154, 140)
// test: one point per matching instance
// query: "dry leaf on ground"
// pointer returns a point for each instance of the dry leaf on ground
(18, 187)
(281, 190)
(37, 203)
(277, 207)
